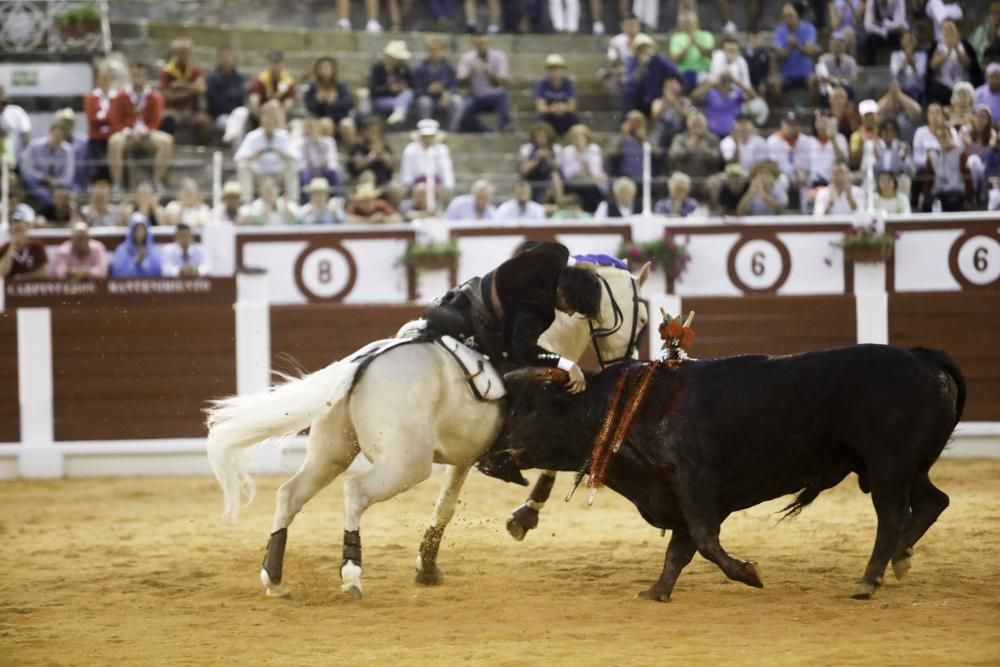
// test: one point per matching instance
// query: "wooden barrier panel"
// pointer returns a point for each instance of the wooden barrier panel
(10, 408)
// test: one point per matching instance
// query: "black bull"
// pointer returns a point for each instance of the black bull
(714, 437)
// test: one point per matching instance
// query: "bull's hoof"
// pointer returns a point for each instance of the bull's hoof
(429, 576)
(271, 589)
(654, 595)
(753, 575)
(863, 591)
(521, 521)
(901, 567)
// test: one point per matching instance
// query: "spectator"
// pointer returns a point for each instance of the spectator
(767, 193)
(690, 49)
(329, 97)
(477, 205)
(887, 198)
(626, 156)
(840, 197)
(645, 73)
(267, 152)
(270, 208)
(868, 131)
(100, 212)
(977, 135)
(486, 71)
(520, 207)
(317, 153)
(733, 186)
(959, 112)
(847, 19)
(417, 206)
(81, 257)
(795, 46)
(22, 258)
(273, 84)
(836, 68)
(984, 38)
(581, 166)
(16, 207)
(758, 58)
(367, 207)
(137, 256)
(828, 148)
(371, 154)
(15, 123)
(565, 15)
(428, 157)
(66, 119)
(182, 84)
(539, 163)
(722, 100)
(909, 67)
(321, 209)
(790, 152)
(135, 115)
(744, 145)
(147, 203)
(188, 208)
(939, 11)
(620, 50)
(892, 155)
(184, 258)
(391, 83)
(61, 211)
(225, 95)
(669, 112)
(47, 163)
(232, 209)
(622, 201)
(678, 204)
(697, 150)
(436, 86)
(949, 182)
(729, 60)
(571, 208)
(492, 6)
(989, 93)
(951, 60)
(926, 139)
(885, 24)
(844, 111)
(902, 108)
(555, 96)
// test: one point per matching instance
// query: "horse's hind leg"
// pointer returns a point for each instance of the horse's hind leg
(927, 502)
(427, 569)
(525, 517)
(329, 452)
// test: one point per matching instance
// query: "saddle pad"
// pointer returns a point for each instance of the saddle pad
(375, 348)
(483, 378)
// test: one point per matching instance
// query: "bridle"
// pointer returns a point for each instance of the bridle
(596, 333)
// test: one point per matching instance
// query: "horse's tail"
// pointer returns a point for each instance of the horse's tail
(237, 422)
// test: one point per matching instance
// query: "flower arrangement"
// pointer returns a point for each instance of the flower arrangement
(666, 254)
(867, 243)
(80, 21)
(430, 255)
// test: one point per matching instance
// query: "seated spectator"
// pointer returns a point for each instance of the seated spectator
(182, 84)
(367, 207)
(81, 257)
(317, 153)
(959, 112)
(868, 131)
(940, 11)
(892, 155)
(887, 198)
(539, 163)
(841, 197)
(435, 84)
(66, 120)
(15, 123)
(428, 157)
(270, 208)
(619, 51)
(626, 156)
(267, 152)
(520, 207)
(232, 209)
(984, 38)
(909, 67)
(645, 73)
(274, 84)
(100, 212)
(729, 60)
(225, 97)
(949, 183)
(731, 188)
(371, 154)
(555, 96)
(678, 204)
(61, 211)
(418, 206)
(794, 46)
(988, 94)
(835, 68)
(622, 201)
(744, 145)
(390, 83)
(22, 258)
(135, 114)
(147, 203)
(571, 208)
(977, 135)
(758, 58)
(885, 24)
(137, 256)
(789, 150)
(321, 209)
(767, 193)
(329, 97)
(722, 100)
(46, 164)
(486, 71)
(581, 165)
(183, 258)
(901, 108)
(844, 111)
(697, 151)
(828, 148)
(926, 142)
(188, 208)
(16, 207)
(690, 48)
(477, 205)
(846, 18)
(952, 60)
(669, 113)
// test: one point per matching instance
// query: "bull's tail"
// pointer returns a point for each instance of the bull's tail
(939, 361)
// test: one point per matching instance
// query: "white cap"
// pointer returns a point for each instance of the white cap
(867, 106)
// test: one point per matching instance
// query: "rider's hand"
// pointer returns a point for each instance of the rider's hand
(576, 382)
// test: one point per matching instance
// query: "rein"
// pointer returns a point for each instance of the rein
(596, 333)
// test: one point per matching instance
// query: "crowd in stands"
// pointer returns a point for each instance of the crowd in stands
(756, 124)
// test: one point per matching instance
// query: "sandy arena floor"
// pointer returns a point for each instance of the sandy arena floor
(139, 572)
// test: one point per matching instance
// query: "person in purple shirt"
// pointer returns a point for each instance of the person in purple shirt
(645, 73)
(555, 96)
(795, 47)
(722, 101)
(989, 92)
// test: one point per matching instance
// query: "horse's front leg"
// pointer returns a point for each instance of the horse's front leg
(525, 517)
(427, 569)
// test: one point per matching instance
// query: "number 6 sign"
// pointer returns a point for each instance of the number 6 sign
(974, 260)
(759, 263)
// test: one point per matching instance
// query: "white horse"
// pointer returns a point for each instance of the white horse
(411, 408)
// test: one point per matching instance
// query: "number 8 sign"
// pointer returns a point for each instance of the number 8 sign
(975, 260)
(325, 272)
(759, 264)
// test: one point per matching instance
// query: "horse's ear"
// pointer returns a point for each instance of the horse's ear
(644, 273)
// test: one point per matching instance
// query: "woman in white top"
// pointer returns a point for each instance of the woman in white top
(581, 163)
(952, 60)
(188, 207)
(959, 112)
(909, 67)
(888, 199)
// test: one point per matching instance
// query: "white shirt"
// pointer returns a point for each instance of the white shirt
(951, 70)
(418, 159)
(172, 259)
(575, 163)
(271, 162)
(619, 48)
(195, 217)
(738, 69)
(840, 205)
(15, 121)
(463, 207)
(602, 211)
(788, 157)
(822, 157)
(511, 211)
(753, 151)
(924, 141)
(939, 12)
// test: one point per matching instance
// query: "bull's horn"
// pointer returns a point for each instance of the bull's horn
(536, 374)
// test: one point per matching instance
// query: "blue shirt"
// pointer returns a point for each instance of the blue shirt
(649, 85)
(721, 110)
(428, 72)
(546, 91)
(665, 207)
(797, 65)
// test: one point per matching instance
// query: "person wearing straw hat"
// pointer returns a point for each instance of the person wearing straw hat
(391, 83)
(367, 207)
(645, 73)
(231, 210)
(428, 158)
(321, 209)
(555, 96)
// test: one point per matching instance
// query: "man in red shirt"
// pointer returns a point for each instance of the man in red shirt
(274, 83)
(135, 115)
(183, 84)
(22, 257)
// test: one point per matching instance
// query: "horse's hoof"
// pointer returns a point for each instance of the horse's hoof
(654, 595)
(350, 575)
(271, 589)
(863, 591)
(353, 590)
(516, 530)
(429, 576)
(901, 567)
